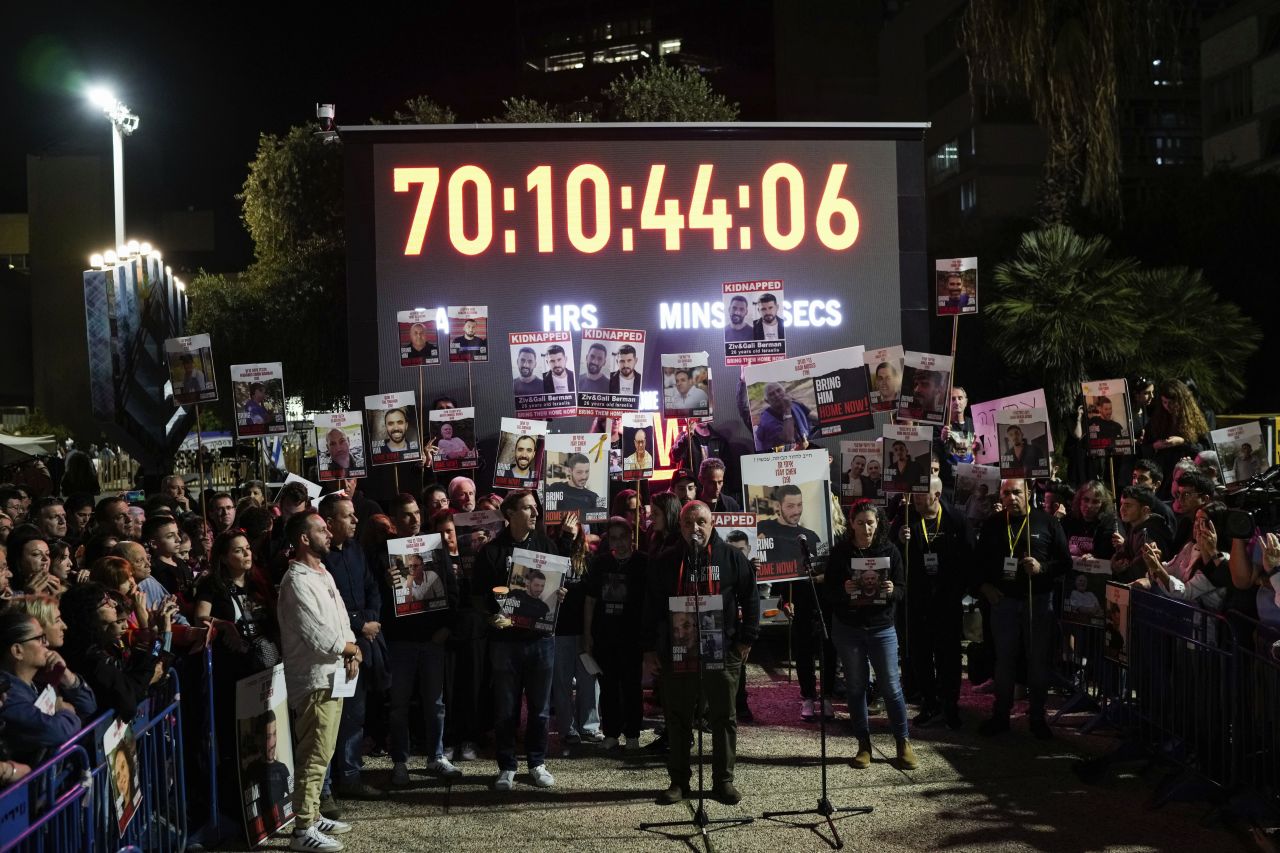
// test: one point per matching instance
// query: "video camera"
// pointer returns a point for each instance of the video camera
(1252, 504)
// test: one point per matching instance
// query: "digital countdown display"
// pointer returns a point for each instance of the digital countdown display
(561, 228)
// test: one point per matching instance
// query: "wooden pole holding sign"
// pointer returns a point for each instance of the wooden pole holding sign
(204, 504)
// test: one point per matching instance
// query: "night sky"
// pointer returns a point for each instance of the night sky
(205, 85)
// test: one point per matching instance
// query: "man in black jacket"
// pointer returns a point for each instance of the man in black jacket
(706, 569)
(1021, 554)
(522, 658)
(936, 542)
(711, 487)
(1142, 526)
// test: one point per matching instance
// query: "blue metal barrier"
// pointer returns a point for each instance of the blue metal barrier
(52, 804)
(1257, 707)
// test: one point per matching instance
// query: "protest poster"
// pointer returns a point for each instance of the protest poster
(417, 567)
(519, 460)
(339, 446)
(868, 575)
(264, 754)
(530, 600)
(257, 390)
(1026, 445)
(541, 376)
(474, 530)
(454, 433)
(1086, 590)
(419, 337)
(1117, 628)
(1107, 419)
(686, 385)
(753, 327)
(313, 489)
(393, 428)
(977, 491)
(907, 449)
(737, 529)
(925, 379)
(1242, 453)
(638, 430)
(125, 789)
(809, 396)
(577, 476)
(861, 471)
(884, 377)
(986, 449)
(697, 632)
(956, 280)
(191, 369)
(609, 379)
(468, 332)
(789, 495)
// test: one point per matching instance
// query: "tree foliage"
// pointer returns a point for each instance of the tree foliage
(293, 192)
(423, 110)
(1064, 311)
(522, 110)
(663, 92)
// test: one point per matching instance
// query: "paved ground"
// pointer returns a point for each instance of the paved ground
(1014, 793)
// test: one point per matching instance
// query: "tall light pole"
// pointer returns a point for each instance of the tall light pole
(123, 123)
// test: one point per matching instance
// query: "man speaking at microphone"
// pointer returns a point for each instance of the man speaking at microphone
(704, 575)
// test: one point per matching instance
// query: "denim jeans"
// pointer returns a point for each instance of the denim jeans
(420, 665)
(521, 668)
(855, 645)
(574, 715)
(1010, 626)
(347, 760)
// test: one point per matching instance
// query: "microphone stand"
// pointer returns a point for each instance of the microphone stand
(824, 808)
(699, 819)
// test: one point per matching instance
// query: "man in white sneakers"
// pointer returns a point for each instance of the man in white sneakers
(317, 645)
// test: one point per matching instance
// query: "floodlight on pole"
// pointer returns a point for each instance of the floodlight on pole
(123, 123)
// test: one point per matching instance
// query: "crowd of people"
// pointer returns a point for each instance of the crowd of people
(102, 595)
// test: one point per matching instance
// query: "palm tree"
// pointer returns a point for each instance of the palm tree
(1062, 312)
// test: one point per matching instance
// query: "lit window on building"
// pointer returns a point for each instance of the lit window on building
(968, 196)
(944, 161)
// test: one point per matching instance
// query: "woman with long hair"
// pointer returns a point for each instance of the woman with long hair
(1178, 430)
(1090, 522)
(664, 523)
(79, 477)
(864, 583)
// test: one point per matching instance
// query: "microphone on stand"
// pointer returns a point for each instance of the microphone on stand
(804, 552)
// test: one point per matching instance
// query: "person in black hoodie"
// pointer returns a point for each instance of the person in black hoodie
(1022, 552)
(1090, 522)
(615, 591)
(937, 543)
(701, 566)
(1141, 526)
(522, 658)
(119, 676)
(865, 581)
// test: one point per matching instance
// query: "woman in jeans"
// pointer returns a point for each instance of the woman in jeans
(863, 603)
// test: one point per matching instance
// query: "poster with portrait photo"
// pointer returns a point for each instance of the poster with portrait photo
(393, 428)
(1084, 603)
(468, 332)
(789, 493)
(1117, 623)
(986, 449)
(1242, 451)
(124, 783)
(868, 575)
(738, 530)
(339, 446)
(925, 378)
(686, 385)
(977, 491)
(816, 396)
(257, 390)
(956, 280)
(577, 476)
(609, 378)
(753, 328)
(542, 377)
(906, 453)
(191, 369)
(520, 454)
(697, 633)
(264, 754)
(861, 472)
(454, 434)
(638, 436)
(474, 530)
(1107, 419)
(531, 600)
(418, 566)
(1026, 444)
(884, 377)
(419, 337)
